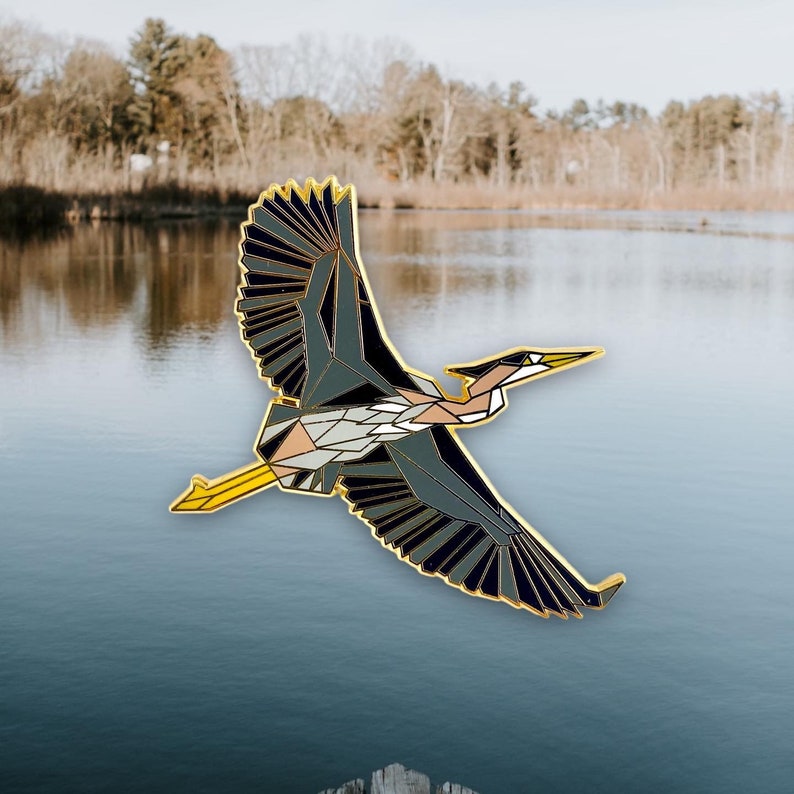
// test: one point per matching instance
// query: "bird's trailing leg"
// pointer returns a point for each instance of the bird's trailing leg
(206, 496)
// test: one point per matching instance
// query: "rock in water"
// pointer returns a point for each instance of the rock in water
(351, 787)
(396, 779)
(453, 788)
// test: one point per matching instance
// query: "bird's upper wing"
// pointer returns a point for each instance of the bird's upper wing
(305, 308)
(424, 499)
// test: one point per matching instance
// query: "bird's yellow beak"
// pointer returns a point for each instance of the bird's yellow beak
(562, 359)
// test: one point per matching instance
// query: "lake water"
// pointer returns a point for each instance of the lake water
(274, 646)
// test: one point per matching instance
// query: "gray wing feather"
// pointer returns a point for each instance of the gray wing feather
(304, 306)
(424, 500)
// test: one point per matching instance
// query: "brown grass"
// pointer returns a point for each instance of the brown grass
(487, 196)
(23, 207)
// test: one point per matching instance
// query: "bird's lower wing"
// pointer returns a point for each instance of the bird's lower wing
(426, 502)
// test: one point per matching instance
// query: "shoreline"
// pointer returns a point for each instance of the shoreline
(24, 208)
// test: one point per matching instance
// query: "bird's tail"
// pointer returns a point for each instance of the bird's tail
(206, 496)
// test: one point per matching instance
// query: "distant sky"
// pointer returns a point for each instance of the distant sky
(646, 51)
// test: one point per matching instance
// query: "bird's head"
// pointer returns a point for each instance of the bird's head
(519, 365)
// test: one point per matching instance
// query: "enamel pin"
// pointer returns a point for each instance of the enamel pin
(352, 419)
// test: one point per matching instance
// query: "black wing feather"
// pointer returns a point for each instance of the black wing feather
(293, 301)
(425, 501)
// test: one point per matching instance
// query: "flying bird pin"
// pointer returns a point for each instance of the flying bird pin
(353, 419)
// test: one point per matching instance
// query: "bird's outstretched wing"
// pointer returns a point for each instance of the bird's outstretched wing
(305, 308)
(426, 502)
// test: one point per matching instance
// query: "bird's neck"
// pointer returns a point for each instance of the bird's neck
(476, 404)
(485, 399)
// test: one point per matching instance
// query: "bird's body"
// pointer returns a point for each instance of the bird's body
(353, 419)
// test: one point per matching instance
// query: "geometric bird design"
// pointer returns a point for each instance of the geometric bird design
(353, 419)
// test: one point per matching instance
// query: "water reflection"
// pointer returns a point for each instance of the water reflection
(165, 278)
(173, 277)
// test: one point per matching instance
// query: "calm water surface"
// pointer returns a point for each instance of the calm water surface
(275, 647)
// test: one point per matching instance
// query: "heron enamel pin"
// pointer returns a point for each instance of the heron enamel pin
(352, 419)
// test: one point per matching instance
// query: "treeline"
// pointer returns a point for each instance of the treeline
(181, 111)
